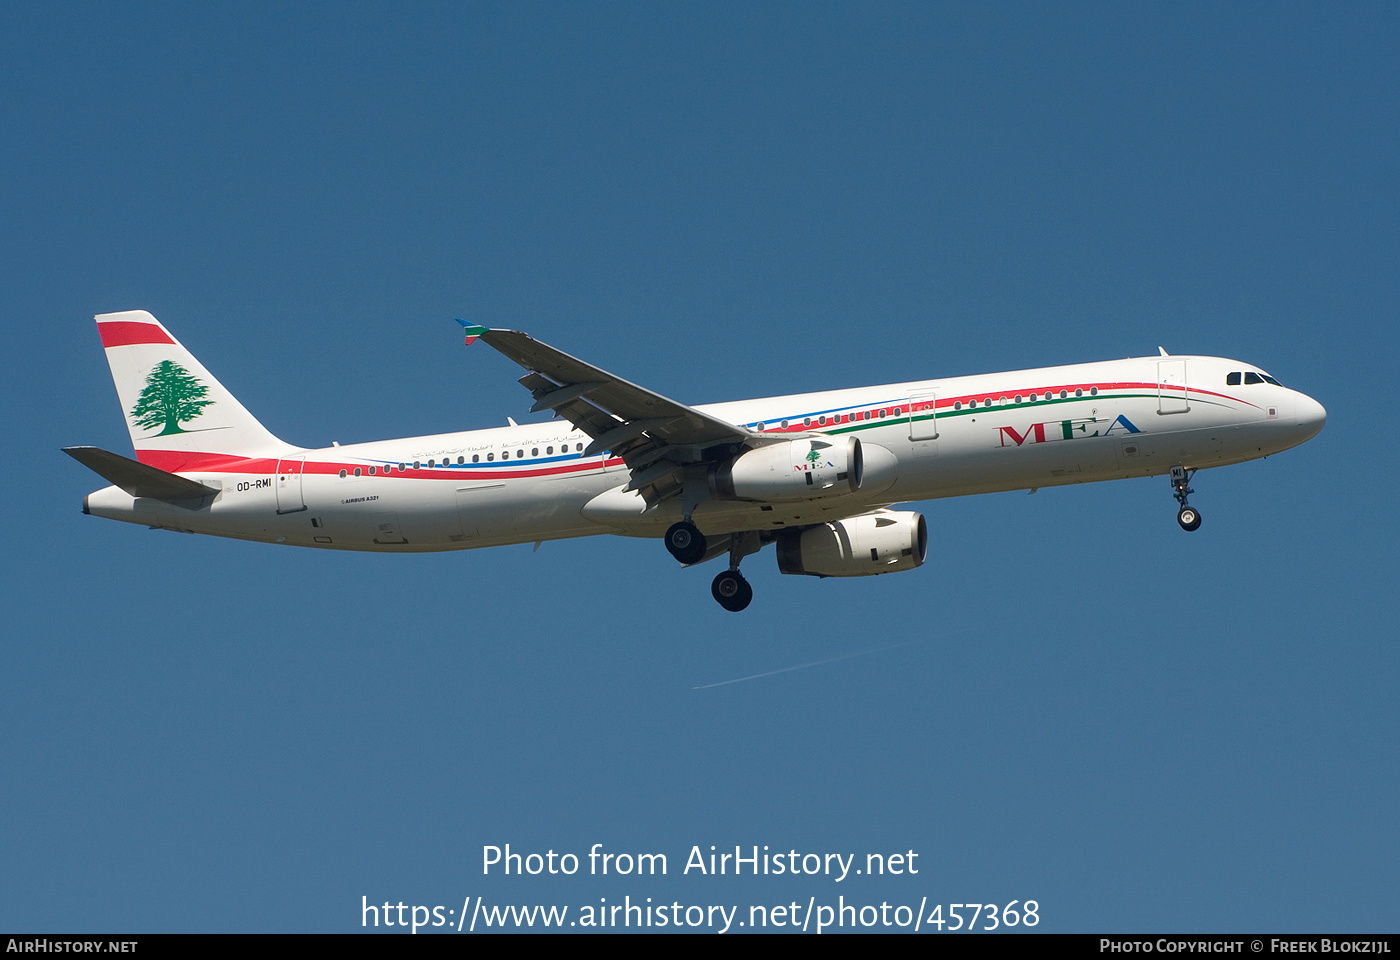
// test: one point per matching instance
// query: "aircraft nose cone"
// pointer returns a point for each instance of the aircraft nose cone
(1310, 416)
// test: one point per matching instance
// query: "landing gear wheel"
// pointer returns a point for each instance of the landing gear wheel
(685, 541)
(732, 591)
(1188, 516)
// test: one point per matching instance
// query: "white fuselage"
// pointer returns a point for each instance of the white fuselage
(944, 438)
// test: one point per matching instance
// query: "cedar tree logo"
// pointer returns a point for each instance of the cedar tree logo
(172, 396)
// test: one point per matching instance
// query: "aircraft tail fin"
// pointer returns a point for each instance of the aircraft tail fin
(174, 407)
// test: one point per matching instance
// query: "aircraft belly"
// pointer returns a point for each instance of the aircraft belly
(532, 509)
(975, 465)
(398, 516)
(627, 514)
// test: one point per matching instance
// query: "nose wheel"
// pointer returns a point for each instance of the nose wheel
(1188, 516)
(732, 591)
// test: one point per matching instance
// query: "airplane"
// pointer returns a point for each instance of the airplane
(815, 474)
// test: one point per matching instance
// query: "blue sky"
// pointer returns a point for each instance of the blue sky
(1072, 702)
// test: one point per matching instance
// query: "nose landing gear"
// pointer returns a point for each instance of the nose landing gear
(1188, 516)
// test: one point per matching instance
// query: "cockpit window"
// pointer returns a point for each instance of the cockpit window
(1250, 377)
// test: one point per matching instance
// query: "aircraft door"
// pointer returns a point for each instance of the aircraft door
(289, 495)
(1171, 387)
(923, 428)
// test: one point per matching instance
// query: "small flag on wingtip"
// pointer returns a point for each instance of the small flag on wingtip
(472, 330)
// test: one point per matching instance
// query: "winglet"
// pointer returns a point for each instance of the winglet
(472, 330)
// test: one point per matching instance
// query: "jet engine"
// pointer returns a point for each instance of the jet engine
(806, 469)
(863, 546)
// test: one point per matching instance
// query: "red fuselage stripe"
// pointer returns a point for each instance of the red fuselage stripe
(176, 461)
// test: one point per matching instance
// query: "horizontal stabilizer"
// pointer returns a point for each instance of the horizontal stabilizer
(138, 479)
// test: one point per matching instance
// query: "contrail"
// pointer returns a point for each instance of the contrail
(804, 666)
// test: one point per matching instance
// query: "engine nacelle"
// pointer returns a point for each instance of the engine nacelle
(864, 546)
(807, 469)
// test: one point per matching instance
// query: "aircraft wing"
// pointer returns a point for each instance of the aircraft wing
(654, 435)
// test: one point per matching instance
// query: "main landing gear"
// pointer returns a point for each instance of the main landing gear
(732, 591)
(1188, 516)
(688, 545)
(730, 588)
(685, 542)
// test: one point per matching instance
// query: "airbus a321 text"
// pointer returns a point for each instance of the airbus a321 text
(816, 474)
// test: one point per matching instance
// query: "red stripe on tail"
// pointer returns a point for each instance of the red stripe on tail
(124, 333)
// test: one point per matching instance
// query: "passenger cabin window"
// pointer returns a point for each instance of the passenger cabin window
(476, 458)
